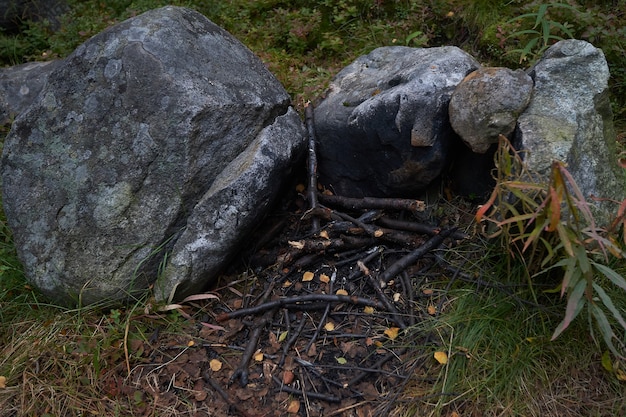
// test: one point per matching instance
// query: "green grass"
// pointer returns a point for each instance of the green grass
(61, 362)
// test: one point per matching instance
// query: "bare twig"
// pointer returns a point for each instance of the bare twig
(412, 257)
(315, 395)
(367, 203)
(312, 165)
(207, 378)
(417, 227)
(301, 302)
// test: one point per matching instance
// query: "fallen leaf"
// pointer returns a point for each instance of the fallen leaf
(288, 377)
(3, 381)
(324, 234)
(294, 407)
(441, 357)
(258, 356)
(368, 310)
(215, 365)
(427, 292)
(300, 188)
(308, 276)
(432, 310)
(396, 297)
(299, 244)
(329, 327)
(283, 336)
(392, 332)
(378, 233)
(324, 278)
(287, 284)
(341, 292)
(341, 360)
(190, 343)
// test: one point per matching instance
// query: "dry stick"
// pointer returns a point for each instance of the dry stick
(417, 227)
(373, 203)
(241, 372)
(376, 366)
(374, 231)
(300, 301)
(316, 396)
(291, 341)
(312, 165)
(207, 378)
(412, 257)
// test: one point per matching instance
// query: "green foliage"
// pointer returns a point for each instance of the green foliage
(550, 226)
(544, 31)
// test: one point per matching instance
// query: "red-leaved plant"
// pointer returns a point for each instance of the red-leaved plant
(550, 225)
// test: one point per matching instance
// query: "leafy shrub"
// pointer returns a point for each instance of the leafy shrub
(550, 226)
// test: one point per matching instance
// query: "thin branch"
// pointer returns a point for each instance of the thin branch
(367, 203)
(412, 257)
(301, 302)
(312, 164)
(418, 228)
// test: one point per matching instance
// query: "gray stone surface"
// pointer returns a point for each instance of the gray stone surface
(20, 85)
(383, 127)
(142, 147)
(569, 119)
(487, 103)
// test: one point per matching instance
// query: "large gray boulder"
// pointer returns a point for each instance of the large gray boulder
(20, 85)
(152, 151)
(569, 119)
(383, 127)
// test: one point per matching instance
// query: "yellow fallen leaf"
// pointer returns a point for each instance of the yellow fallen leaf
(368, 310)
(392, 332)
(324, 234)
(294, 407)
(329, 327)
(190, 343)
(441, 357)
(215, 365)
(258, 356)
(308, 276)
(283, 336)
(341, 361)
(3, 381)
(287, 284)
(324, 278)
(432, 310)
(341, 292)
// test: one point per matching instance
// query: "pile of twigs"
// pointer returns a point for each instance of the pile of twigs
(334, 320)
